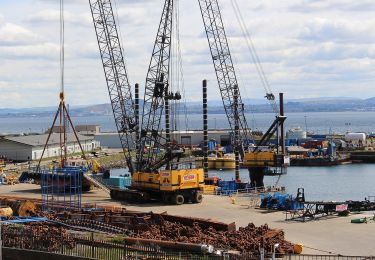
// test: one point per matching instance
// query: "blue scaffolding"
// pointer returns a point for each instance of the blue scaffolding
(62, 188)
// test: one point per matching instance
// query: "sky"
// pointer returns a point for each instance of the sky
(308, 49)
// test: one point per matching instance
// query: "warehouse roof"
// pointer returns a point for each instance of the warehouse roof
(40, 140)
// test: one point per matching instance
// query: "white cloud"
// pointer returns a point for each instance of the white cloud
(339, 30)
(12, 34)
(53, 16)
(36, 52)
(308, 48)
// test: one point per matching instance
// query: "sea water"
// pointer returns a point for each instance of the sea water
(319, 122)
(334, 183)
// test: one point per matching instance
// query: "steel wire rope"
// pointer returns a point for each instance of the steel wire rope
(120, 35)
(172, 76)
(244, 89)
(63, 119)
(251, 46)
(323, 251)
(121, 40)
(255, 57)
(177, 73)
(181, 68)
(241, 83)
(62, 46)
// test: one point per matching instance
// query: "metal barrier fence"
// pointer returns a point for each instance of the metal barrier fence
(93, 246)
(101, 246)
(298, 257)
(327, 257)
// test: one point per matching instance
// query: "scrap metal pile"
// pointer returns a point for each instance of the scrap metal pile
(164, 230)
(247, 239)
(28, 236)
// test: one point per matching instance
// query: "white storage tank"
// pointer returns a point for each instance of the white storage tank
(355, 137)
(296, 133)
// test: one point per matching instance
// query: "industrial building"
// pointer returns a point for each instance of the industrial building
(82, 129)
(188, 138)
(24, 148)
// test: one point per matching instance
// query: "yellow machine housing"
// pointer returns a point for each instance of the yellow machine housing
(260, 159)
(169, 180)
(175, 186)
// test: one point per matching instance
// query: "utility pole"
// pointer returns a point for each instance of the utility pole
(205, 130)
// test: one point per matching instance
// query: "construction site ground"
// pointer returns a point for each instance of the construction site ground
(335, 234)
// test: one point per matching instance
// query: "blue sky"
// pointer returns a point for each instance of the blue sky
(308, 49)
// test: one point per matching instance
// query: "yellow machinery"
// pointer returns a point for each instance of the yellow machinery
(95, 166)
(218, 160)
(264, 163)
(260, 159)
(8, 180)
(2, 162)
(175, 186)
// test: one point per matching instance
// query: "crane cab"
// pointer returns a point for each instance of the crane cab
(181, 183)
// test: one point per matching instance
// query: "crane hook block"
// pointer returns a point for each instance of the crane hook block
(159, 89)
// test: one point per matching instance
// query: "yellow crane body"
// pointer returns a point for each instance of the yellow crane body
(260, 159)
(169, 180)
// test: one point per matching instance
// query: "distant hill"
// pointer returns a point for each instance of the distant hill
(324, 104)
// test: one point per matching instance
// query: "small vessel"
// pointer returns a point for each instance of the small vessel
(317, 153)
(318, 161)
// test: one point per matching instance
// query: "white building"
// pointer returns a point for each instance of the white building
(88, 129)
(24, 148)
(82, 129)
(188, 138)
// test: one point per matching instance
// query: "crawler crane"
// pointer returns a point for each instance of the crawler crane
(161, 176)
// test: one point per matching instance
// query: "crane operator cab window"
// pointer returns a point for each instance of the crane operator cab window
(183, 166)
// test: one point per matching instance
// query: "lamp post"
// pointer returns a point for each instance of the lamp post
(262, 254)
(1, 243)
(274, 251)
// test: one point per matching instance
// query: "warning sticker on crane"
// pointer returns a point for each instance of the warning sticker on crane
(189, 177)
(165, 174)
(341, 208)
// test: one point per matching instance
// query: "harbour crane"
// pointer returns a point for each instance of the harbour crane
(259, 163)
(154, 175)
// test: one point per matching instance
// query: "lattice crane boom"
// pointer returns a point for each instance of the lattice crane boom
(224, 68)
(156, 95)
(116, 75)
